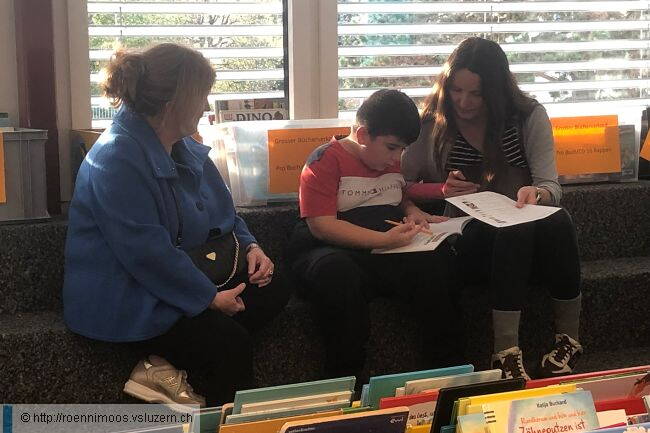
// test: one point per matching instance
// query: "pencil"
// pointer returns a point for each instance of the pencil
(423, 230)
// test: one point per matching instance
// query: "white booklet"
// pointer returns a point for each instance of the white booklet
(498, 210)
(430, 241)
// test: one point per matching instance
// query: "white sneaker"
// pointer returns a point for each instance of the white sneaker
(509, 361)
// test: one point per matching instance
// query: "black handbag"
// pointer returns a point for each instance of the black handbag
(220, 258)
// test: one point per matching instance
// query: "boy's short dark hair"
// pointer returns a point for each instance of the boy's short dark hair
(390, 112)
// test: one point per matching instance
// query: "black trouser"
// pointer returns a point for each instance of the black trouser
(510, 257)
(340, 282)
(215, 349)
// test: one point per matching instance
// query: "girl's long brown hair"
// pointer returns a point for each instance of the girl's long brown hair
(502, 97)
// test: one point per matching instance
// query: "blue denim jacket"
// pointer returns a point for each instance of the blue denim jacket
(124, 278)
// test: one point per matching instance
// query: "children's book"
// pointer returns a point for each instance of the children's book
(568, 412)
(206, 420)
(426, 428)
(296, 402)
(472, 423)
(637, 428)
(448, 397)
(539, 383)
(437, 233)
(612, 418)
(291, 391)
(638, 419)
(384, 386)
(421, 385)
(473, 404)
(391, 420)
(610, 388)
(272, 425)
(285, 412)
(421, 406)
(631, 405)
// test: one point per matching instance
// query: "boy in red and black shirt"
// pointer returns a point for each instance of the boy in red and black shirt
(348, 189)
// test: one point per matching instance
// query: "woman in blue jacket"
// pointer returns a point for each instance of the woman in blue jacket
(145, 194)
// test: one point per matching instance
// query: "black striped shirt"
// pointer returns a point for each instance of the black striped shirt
(462, 154)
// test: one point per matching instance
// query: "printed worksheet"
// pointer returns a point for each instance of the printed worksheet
(498, 210)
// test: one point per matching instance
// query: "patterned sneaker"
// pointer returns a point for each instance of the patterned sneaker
(562, 359)
(509, 362)
(157, 381)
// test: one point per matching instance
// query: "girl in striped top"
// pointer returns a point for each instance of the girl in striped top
(481, 132)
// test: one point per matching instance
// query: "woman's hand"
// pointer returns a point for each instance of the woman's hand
(260, 267)
(401, 235)
(456, 184)
(228, 301)
(422, 218)
(526, 195)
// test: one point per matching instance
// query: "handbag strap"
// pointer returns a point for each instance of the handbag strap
(179, 234)
(179, 238)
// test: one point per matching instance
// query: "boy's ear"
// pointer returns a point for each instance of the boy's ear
(363, 137)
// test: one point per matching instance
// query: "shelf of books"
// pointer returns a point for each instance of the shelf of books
(447, 400)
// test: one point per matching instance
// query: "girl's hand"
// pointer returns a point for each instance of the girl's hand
(457, 185)
(526, 195)
(260, 267)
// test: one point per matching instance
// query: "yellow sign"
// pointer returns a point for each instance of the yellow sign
(3, 194)
(586, 145)
(645, 150)
(288, 151)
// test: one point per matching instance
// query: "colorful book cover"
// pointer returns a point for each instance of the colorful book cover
(636, 428)
(421, 406)
(271, 425)
(472, 423)
(473, 404)
(292, 391)
(391, 420)
(421, 385)
(284, 412)
(384, 386)
(539, 383)
(426, 428)
(569, 412)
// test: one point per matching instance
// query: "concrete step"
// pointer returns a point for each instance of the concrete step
(45, 363)
(611, 221)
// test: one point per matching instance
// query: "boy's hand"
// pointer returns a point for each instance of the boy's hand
(421, 218)
(401, 235)
(456, 184)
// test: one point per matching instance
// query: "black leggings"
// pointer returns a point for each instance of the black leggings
(509, 258)
(215, 349)
(340, 282)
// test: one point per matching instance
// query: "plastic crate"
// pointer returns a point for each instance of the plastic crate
(24, 169)
(241, 153)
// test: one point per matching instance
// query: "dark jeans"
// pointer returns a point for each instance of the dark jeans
(340, 283)
(544, 251)
(215, 349)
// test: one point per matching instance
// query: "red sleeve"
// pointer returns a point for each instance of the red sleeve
(425, 191)
(319, 185)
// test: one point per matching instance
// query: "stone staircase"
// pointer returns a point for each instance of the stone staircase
(42, 362)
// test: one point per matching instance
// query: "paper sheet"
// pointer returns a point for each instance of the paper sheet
(498, 210)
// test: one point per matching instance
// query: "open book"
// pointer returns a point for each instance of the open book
(489, 207)
(429, 242)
